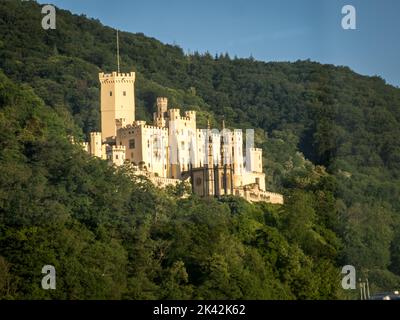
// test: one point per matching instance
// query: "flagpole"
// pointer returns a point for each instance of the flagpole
(118, 51)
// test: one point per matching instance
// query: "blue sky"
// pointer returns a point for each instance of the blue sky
(269, 30)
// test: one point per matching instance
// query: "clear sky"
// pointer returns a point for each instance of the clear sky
(269, 30)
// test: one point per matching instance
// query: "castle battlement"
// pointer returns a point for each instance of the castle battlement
(190, 114)
(139, 123)
(127, 127)
(118, 148)
(155, 128)
(162, 102)
(236, 132)
(131, 129)
(116, 77)
(175, 114)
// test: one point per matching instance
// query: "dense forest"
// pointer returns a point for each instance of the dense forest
(330, 141)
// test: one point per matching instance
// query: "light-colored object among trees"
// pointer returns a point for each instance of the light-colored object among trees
(173, 149)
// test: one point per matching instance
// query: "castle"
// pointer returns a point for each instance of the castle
(173, 149)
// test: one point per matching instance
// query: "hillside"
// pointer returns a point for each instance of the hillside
(329, 138)
(111, 237)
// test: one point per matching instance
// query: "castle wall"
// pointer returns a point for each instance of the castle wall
(254, 160)
(182, 141)
(173, 147)
(146, 145)
(200, 158)
(116, 155)
(259, 196)
(253, 177)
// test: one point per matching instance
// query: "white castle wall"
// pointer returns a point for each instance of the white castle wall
(173, 145)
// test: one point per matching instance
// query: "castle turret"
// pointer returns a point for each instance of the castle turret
(254, 160)
(191, 115)
(161, 114)
(85, 146)
(162, 106)
(116, 155)
(96, 144)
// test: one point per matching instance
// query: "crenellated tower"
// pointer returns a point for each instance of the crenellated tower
(117, 102)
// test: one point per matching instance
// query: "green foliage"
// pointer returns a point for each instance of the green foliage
(112, 235)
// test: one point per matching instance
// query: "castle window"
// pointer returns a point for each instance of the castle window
(110, 93)
(124, 93)
(132, 144)
(116, 157)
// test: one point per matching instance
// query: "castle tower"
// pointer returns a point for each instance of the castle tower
(254, 160)
(117, 101)
(96, 148)
(162, 106)
(161, 114)
(116, 155)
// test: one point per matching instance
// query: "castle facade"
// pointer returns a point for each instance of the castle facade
(173, 149)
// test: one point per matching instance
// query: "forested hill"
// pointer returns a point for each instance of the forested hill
(330, 140)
